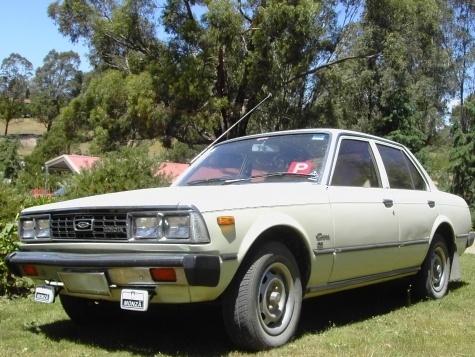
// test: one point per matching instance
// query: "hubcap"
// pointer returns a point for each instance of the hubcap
(275, 298)
(438, 269)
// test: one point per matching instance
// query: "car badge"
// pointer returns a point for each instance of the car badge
(83, 224)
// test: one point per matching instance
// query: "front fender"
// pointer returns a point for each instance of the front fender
(268, 221)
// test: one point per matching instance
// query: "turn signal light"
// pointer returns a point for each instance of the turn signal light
(30, 270)
(226, 220)
(167, 275)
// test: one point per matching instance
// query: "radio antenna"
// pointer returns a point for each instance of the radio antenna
(230, 128)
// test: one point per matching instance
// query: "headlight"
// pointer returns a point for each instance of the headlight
(34, 228)
(146, 228)
(177, 227)
(168, 227)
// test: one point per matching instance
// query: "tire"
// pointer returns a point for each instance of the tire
(87, 311)
(432, 281)
(261, 307)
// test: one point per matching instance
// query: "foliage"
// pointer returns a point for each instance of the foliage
(12, 201)
(55, 84)
(180, 152)
(463, 156)
(126, 169)
(14, 75)
(9, 160)
(8, 244)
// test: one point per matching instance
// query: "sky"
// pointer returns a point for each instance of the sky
(26, 29)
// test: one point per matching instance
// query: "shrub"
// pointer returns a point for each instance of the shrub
(12, 201)
(127, 169)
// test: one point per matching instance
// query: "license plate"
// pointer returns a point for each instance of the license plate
(136, 300)
(44, 294)
(85, 283)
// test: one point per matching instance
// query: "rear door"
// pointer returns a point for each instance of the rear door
(416, 208)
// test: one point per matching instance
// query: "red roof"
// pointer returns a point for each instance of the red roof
(75, 163)
(72, 163)
(172, 169)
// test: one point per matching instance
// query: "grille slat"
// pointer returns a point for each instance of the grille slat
(97, 226)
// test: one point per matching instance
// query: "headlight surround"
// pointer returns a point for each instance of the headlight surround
(35, 228)
(185, 226)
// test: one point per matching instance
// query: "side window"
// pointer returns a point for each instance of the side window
(401, 171)
(355, 165)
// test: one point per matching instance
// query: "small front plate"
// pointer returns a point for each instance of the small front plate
(136, 300)
(44, 293)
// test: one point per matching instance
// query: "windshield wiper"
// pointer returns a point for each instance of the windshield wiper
(208, 181)
(272, 174)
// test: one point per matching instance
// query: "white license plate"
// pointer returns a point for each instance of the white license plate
(136, 300)
(44, 294)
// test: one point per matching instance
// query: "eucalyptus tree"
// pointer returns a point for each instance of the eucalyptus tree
(399, 90)
(15, 72)
(459, 39)
(54, 85)
(212, 61)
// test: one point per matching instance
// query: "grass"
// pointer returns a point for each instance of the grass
(373, 321)
(21, 126)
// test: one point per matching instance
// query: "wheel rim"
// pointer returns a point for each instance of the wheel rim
(275, 299)
(438, 269)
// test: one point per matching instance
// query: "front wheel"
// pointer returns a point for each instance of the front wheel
(432, 281)
(261, 308)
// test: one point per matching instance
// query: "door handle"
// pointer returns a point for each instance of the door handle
(388, 202)
(431, 203)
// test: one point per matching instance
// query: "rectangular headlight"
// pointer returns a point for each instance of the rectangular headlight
(27, 229)
(146, 227)
(42, 228)
(177, 227)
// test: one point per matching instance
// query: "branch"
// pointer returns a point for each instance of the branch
(328, 64)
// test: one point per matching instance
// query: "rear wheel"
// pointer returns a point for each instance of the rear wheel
(87, 311)
(432, 281)
(261, 308)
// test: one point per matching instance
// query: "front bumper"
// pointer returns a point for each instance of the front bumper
(199, 269)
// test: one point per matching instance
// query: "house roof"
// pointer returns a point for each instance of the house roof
(72, 163)
(75, 163)
(172, 169)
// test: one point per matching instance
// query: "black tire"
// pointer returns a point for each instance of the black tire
(432, 281)
(87, 311)
(261, 307)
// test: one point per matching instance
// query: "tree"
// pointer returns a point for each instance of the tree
(459, 40)
(15, 72)
(9, 160)
(219, 60)
(400, 89)
(55, 84)
(120, 33)
(463, 153)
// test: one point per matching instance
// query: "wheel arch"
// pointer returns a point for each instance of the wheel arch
(293, 240)
(445, 230)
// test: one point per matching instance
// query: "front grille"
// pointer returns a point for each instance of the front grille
(105, 226)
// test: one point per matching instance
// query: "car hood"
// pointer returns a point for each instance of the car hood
(205, 198)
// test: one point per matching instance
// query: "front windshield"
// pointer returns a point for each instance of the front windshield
(289, 157)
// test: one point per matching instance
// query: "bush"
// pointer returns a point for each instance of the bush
(12, 201)
(127, 169)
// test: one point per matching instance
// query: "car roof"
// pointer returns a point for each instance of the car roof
(333, 132)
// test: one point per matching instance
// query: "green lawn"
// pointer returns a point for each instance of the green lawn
(374, 321)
